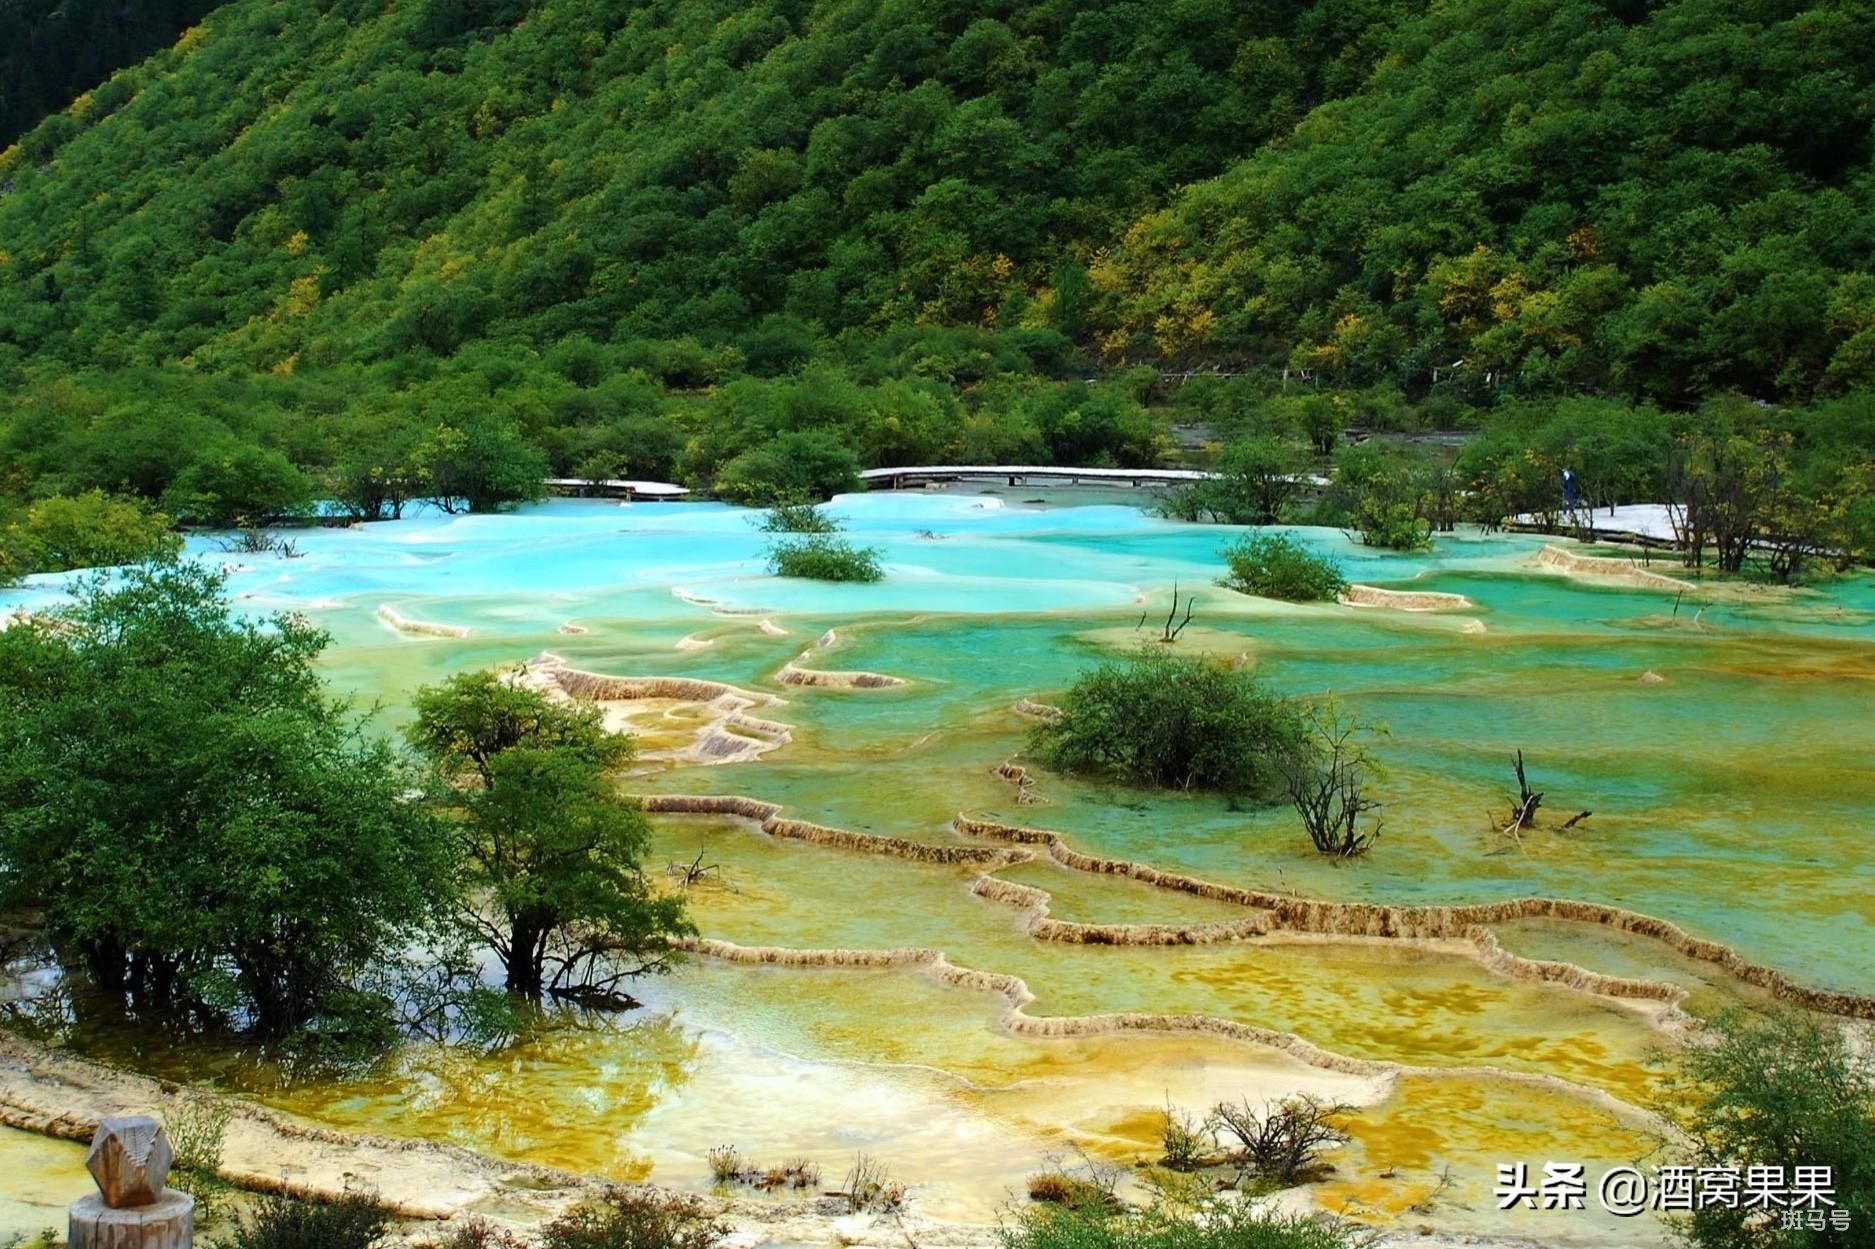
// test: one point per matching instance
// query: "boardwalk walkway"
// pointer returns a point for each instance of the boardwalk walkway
(1029, 475)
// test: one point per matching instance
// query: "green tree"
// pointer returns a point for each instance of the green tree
(197, 821)
(1276, 565)
(91, 530)
(1256, 479)
(480, 466)
(1385, 494)
(799, 467)
(238, 484)
(1784, 1090)
(1168, 721)
(555, 882)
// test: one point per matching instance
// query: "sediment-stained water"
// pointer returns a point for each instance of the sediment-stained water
(1720, 736)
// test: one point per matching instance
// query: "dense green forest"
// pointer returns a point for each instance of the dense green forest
(334, 248)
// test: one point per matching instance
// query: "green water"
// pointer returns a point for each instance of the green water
(1729, 796)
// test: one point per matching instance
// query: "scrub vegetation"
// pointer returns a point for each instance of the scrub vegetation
(1276, 565)
(1214, 1222)
(356, 1220)
(1162, 720)
(823, 557)
(1783, 1090)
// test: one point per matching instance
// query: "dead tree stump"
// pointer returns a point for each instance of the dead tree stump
(133, 1208)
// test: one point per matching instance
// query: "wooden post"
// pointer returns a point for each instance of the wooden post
(132, 1209)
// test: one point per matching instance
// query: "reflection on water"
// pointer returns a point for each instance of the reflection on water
(1750, 760)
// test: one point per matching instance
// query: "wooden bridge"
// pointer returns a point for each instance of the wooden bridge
(1028, 474)
(615, 488)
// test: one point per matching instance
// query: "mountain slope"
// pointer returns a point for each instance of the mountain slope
(302, 184)
(53, 50)
(1666, 202)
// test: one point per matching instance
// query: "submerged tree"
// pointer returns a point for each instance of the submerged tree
(821, 556)
(1276, 565)
(554, 877)
(1327, 783)
(198, 822)
(1170, 721)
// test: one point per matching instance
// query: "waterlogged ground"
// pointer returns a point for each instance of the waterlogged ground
(1729, 797)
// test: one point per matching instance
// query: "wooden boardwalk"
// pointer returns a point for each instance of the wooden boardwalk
(1029, 475)
(615, 488)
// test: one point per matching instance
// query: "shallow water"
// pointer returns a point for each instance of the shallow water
(1749, 766)
(39, 1178)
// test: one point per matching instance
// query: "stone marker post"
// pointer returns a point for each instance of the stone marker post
(132, 1209)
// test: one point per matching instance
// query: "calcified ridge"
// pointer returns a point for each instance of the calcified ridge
(418, 628)
(1018, 776)
(1016, 1020)
(1605, 567)
(730, 735)
(1035, 710)
(792, 672)
(716, 606)
(1462, 922)
(1464, 926)
(1402, 600)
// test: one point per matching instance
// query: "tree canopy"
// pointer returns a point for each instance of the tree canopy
(323, 248)
(198, 822)
(554, 883)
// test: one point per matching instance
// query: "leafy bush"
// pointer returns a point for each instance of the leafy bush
(1220, 1222)
(820, 557)
(635, 1221)
(197, 1128)
(354, 1221)
(91, 530)
(792, 467)
(1783, 1090)
(1275, 565)
(797, 518)
(1173, 722)
(1394, 526)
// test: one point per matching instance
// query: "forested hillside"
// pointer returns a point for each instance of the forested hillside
(52, 51)
(486, 237)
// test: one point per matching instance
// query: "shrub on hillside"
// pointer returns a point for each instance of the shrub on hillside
(1173, 722)
(1275, 565)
